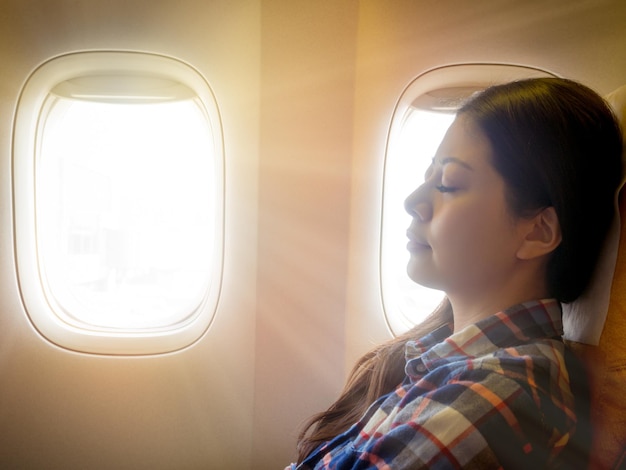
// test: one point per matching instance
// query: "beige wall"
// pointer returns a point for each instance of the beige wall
(307, 77)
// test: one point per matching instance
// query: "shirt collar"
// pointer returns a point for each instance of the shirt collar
(514, 326)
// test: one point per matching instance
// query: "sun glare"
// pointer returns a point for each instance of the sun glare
(124, 210)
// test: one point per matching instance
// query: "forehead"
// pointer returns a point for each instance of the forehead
(465, 144)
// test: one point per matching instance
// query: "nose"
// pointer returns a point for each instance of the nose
(418, 204)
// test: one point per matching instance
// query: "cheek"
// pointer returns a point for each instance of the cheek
(456, 227)
(470, 233)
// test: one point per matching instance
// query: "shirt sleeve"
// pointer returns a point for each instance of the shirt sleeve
(477, 420)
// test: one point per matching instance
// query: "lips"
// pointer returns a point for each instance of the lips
(416, 243)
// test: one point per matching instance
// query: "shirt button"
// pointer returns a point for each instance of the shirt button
(420, 367)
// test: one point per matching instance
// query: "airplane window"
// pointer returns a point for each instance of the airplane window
(423, 113)
(122, 213)
(123, 209)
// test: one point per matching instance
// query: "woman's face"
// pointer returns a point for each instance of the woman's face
(463, 239)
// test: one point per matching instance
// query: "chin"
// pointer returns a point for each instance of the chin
(423, 278)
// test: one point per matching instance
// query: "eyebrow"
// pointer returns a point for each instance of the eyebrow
(445, 160)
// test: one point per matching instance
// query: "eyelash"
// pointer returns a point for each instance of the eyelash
(445, 189)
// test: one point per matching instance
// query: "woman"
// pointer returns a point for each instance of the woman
(509, 222)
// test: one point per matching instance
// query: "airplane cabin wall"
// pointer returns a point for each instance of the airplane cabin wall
(307, 76)
(306, 91)
(184, 410)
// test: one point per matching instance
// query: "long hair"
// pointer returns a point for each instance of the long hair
(375, 374)
(555, 143)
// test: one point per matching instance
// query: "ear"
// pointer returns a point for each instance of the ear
(542, 234)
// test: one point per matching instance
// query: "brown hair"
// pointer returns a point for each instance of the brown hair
(377, 373)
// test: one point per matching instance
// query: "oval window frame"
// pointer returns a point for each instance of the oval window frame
(28, 117)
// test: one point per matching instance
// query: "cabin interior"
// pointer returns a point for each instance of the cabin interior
(306, 92)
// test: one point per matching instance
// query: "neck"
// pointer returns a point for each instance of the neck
(469, 308)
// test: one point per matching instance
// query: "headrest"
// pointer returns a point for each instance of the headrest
(584, 319)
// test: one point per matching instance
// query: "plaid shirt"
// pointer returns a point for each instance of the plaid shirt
(494, 395)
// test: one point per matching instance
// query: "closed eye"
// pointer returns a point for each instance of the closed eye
(445, 189)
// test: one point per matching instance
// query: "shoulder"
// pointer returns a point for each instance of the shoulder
(477, 419)
(508, 406)
(538, 364)
(529, 380)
